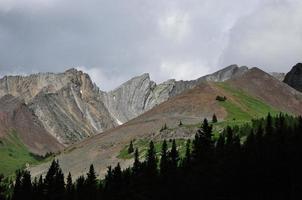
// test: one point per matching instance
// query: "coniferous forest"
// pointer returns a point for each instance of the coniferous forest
(261, 160)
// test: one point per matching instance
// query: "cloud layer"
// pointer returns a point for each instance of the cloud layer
(116, 40)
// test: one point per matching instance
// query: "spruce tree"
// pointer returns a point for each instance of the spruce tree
(80, 188)
(214, 118)
(137, 164)
(27, 189)
(17, 191)
(130, 148)
(187, 158)
(91, 184)
(151, 162)
(69, 188)
(174, 156)
(54, 182)
(164, 159)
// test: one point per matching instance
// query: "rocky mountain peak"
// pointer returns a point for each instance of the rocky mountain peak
(294, 77)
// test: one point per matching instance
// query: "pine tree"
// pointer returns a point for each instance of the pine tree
(151, 162)
(54, 182)
(180, 123)
(164, 159)
(69, 188)
(137, 164)
(187, 158)
(80, 188)
(91, 184)
(174, 156)
(27, 190)
(214, 118)
(17, 191)
(130, 148)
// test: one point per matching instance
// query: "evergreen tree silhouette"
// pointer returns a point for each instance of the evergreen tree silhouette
(137, 164)
(164, 159)
(17, 191)
(130, 148)
(174, 156)
(214, 118)
(151, 161)
(70, 190)
(91, 184)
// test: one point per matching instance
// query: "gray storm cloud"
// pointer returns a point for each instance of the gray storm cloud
(115, 40)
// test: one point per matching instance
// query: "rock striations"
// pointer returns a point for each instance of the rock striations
(67, 104)
(140, 94)
(70, 107)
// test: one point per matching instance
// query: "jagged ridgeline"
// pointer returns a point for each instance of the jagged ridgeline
(67, 116)
(47, 112)
(266, 164)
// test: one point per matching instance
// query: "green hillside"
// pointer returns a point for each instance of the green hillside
(241, 106)
(241, 109)
(14, 154)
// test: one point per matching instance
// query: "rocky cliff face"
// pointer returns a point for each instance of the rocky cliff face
(294, 77)
(140, 94)
(70, 107)
(67, 104)
(278, 76)
(16, 116)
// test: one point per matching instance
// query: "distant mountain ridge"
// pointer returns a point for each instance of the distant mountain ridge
(251, 94)
(71, 107)
(140, 94)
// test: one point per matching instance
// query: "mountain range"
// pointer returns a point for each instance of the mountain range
(67, 114)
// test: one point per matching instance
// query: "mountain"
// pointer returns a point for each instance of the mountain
(67, 104)
(294, 77)
(251, 94)
(140, 94)
(278, 75)
(15, 115)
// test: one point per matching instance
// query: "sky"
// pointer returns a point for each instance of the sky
(114, 40)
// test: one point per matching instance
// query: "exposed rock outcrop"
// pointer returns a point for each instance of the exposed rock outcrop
(279, 76)
(16, 116)
(294, 77)
(67, 104)
(140, 94)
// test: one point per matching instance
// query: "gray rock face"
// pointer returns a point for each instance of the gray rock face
(294, 77)
(67, 104)
(70, 107)
(140, 94)
(135, 97)
(278, 76)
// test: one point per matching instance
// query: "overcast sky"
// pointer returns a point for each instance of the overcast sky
(114, 40)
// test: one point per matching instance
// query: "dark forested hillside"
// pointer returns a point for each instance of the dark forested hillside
(261, 160)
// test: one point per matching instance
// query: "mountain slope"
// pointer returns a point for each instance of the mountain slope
(23, 138)
(15, 115)
(265, 87)
(245, 100)
(140, 94)
(67, 104)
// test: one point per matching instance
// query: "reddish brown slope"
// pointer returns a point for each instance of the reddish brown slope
(15, 115)
(101, 150)
(275, 93)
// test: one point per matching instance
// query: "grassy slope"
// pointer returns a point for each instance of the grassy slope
(14, 155)
(240, 106)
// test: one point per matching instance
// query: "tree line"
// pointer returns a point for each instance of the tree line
(264, 163)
